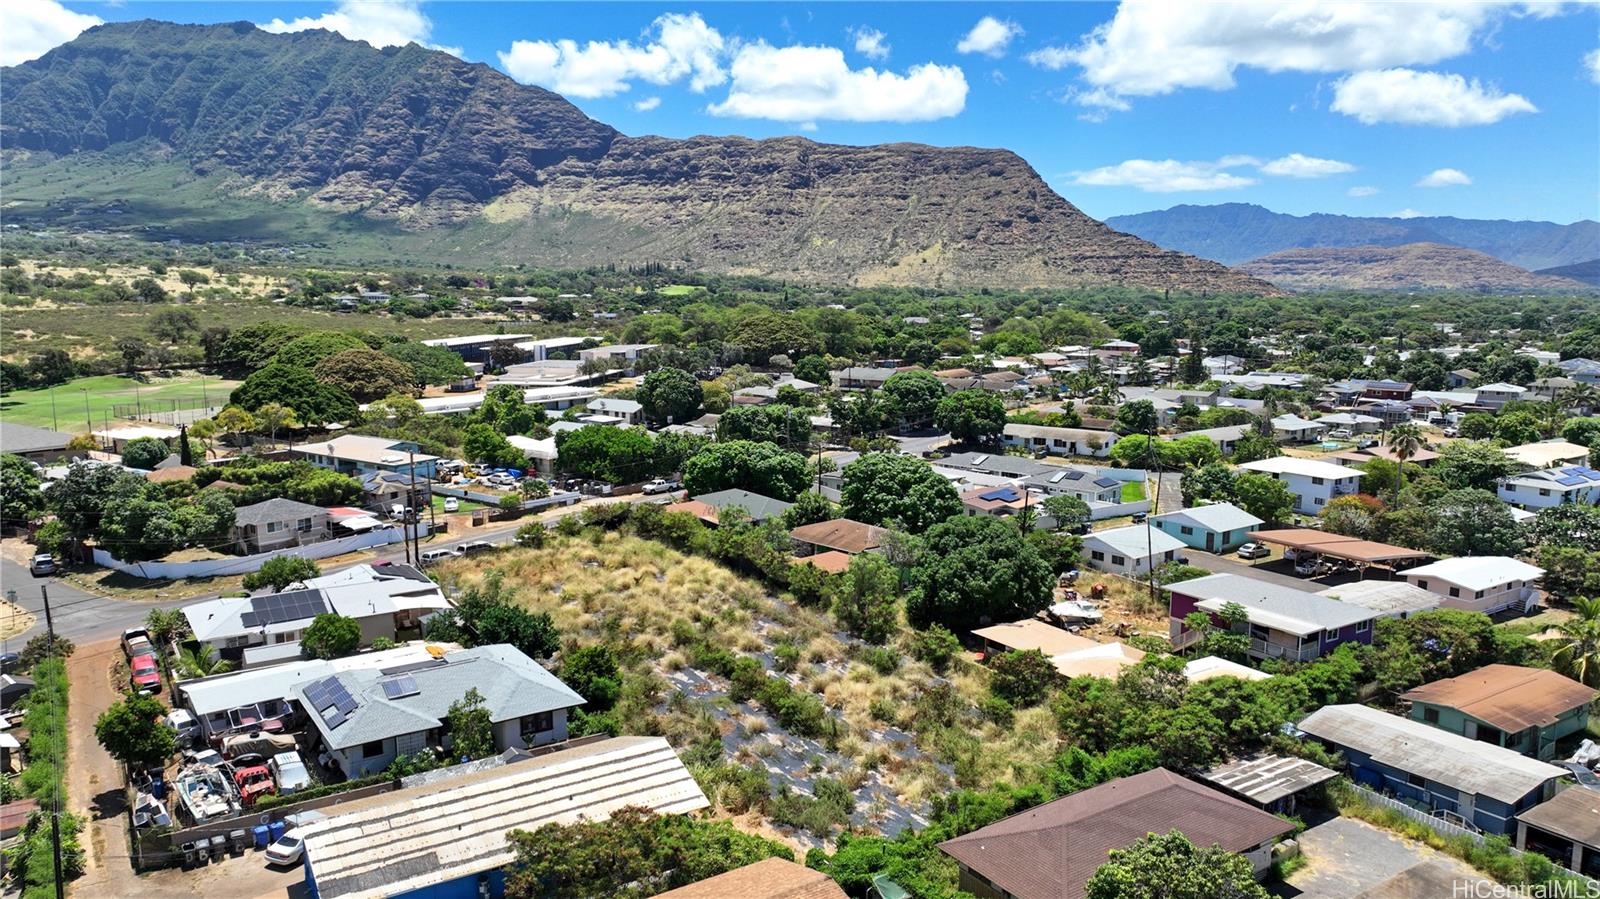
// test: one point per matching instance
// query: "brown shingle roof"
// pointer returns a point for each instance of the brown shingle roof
(1049, 852)
(1573, 813)
(772, 878)
(832, 561)
(175, 473)
(1507, 696)
(841, 534)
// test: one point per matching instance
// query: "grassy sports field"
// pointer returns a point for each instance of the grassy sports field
(102, 393)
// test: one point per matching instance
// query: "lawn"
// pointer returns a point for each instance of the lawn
(1132, 491)
(678, 290)
(467, 505)
(102, 393)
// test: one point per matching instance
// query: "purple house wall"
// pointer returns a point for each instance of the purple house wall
(1182, 605)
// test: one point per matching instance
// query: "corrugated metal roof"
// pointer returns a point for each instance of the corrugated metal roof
(1264, 778)
(1574, 813)
(440, 832)
(1440, 756)
(1283, 608)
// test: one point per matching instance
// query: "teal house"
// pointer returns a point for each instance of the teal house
(1217, 528)
(1526, 710)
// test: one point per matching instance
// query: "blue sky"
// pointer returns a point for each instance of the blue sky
(1479, 109)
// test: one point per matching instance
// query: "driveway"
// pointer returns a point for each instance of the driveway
(1234, 565)
(1346, 857)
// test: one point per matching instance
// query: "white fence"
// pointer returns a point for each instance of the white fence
(168, 571)
(558, 498)
(1416, 814)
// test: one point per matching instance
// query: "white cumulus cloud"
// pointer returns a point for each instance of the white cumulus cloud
(1407, 213)
(990, 37)
(806, 84)
(1591, 62)
(381, 24)
(1299, 165)
(33, 28)
(1409, 97)
(1160, 176)
(1362, 191)
(870, 42)
(1445, 178)
(1154, 47)
(647, 104)
(678, 47)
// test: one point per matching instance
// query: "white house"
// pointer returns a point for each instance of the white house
(541, 453)
(1218, 527)
(630, 411)
(1059, 441)
(617, 352)
(1291, 428)
(1354, 422)
(1573, 485)
(1548, 454)
(1131, 550)
(1314, 484)
(1223, 437)
(1493, 396)
(1480, 583)
(358, 454)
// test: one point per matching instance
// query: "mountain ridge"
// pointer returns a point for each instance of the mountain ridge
(1232, 233)
(439, 148)
(1414, 266)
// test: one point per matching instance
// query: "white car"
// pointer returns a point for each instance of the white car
(660, 486)
(452, 505)
(286, 851)
(289, 772)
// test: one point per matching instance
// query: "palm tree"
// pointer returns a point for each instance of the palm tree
(165, 626)
(1578, 654)
(1579, 397)
(201, 662)
(1404, 440)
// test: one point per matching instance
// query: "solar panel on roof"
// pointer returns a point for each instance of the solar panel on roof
(400, 687)
(1056, 478)
(1006, 494)
(333, 719)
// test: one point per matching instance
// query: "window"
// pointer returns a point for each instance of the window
(1118, 560)
(1416, 780)
(372, 750)
(1430, 715)
(1318, 500)
(1422, 584)
(274, 527)
(1363, 626)
(1185, 530)
(303, 525)
(1478, 595)
(1455, 591)
(538, 724)
(1319, 481)
(1097, 555)
(1543, 492)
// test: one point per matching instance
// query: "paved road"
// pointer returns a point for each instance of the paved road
(79, 616)
(1234, 565)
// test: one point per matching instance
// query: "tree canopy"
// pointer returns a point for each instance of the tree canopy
(971, 416)
(975, 569)
(613, 455)
(365, 374)
(747, 465)
(669, 395)
(313, 402)
(891, 489)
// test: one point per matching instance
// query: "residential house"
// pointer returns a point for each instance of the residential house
(34, 444)
(1386, 390)
(1481, 783)
(1385, 599)
(1440, 405)
(1343, 393)
(1564, 829)
(364, 719)
(1216, 528)
(1459, 378)
(1266, 780)
(859, 377)
(385, 601)
(383, 490)
(1050, 851)
(1091, 486)
(1132, 550)
(1527, 710)
(1572, 485)
(770, 878)
(1224, 437)
(1000, 502)
(1283, 622)
(1225, 365)
(631, 412)
(1029, 634)
(1551, 389)
(1584, 370)
(759, 508)
(624, 354)
(1290, 428)
(358, 455)
(839, 534)
(443, 834)
(1493, 396)
(278, 524)
(1485, 584)
(117, 437)
(541, 453)
(1354, 422)
(1314, 484)
(1421, 458)
(1059, 441)
(1548, 454)
(1389, 412)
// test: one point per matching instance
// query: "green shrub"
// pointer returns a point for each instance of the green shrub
(997, 710)
(936, 646)
(882, 659)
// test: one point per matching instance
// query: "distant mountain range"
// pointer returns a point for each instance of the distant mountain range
(226, 132)
(1416, 266)
(1587, 272)
(1231, 233)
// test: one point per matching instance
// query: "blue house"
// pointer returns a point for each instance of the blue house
(1481, 783)
(1217, 528)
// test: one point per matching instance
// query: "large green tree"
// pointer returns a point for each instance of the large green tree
(145, 452)
(891, 489)
(469, 727)
(747, 465)
(279, 572)
(132, 733)
(1169, 866)
(670, 396)
(865, 598)
(365, 374)
(306, 351)
(429, 365)
(784, 425)
(914, 395)
(974, 569)
(613, 455)
(331, 636)
(1263, 496)
(971, 416)
(482, 443)
(313, 402)
(1473, 523)
(20, 499)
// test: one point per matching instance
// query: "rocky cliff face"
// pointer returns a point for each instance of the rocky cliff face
(1418, 266)
(420, 139)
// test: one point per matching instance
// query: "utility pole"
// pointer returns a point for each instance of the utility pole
(55, 425)
(55, 804)
(416, 519)
(1150, 454)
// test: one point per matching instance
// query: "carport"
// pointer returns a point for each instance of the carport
(1363, 553)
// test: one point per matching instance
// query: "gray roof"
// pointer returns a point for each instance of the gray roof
(1137, 541)
(1264, 778)
(513, 686)
(760, 507)
(15, 438)
(610, 404)
(278, 509)
(1471, 766)
(1385, 597)
(1219, 517)
(999, 463)
(1061, 477)
(1283, 608)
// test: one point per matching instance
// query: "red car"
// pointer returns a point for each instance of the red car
(253, 783)
(146, 674)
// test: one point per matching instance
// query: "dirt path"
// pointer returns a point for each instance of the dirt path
(94, 781)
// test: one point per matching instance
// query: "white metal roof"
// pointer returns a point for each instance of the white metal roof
(1136, 541)
(1207, 667)
(1270, 605)
(1477, 572)
(1385, 597)
(456, 827)
(1219, 517)
(1309, 468)
(221, 692)
(1471, 766)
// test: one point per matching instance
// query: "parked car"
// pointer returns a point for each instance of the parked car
(289, 772)
(1254, 551)
(1312, 567)
(136, 641)
(1340, 434)
(443, 554)
(183, 725)
(660, 485)
(452, 505)
(476, 546)
(42, 565)
(286, 851)
(9, 662)
(146, 674)
(253, 783)
(257, 743)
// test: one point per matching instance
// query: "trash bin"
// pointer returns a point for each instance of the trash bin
(188, 855)
(219, 846)
(275, 830)
(258, 835)
(158, 788)
(236, 842)
(202, 851)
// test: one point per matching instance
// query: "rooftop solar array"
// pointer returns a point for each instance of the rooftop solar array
(409, 667)
(280, 607)
(330, 700)
(1575, 475)
(1005, 494)
(400, 687)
